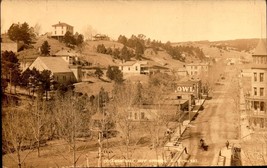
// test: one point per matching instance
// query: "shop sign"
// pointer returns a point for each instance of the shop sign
(185, 89)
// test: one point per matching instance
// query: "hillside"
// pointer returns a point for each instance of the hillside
(55, 45)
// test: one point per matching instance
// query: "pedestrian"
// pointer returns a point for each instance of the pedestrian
(227, 144)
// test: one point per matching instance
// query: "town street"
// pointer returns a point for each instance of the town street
(216, 124)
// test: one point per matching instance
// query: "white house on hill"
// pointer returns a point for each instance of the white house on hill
(62, 71)
(134, 67)
(60, 29)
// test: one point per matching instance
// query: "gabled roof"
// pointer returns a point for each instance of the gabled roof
(66, 53)
(261, 48)
(130, 63)
(54, 64)
(61, 24)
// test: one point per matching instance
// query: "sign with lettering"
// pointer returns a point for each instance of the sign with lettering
(185, 89)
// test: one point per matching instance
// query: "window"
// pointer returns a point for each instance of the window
(55, 32)
(131, 115)
(255, 91)
(64, 78)
(142, 115)
(62, 32)
(62, 27)
(121, 67)
(261, 91)
(136, 68)
(255, 77)
(129, 68)
(261, 77)
(135, 115)
(195, 67)
(191, 73)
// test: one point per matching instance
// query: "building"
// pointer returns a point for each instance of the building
(62, 71)
(256, 101)
(8, 45)
(182, 71)
(134, 67)
(69, 56)
(98, 37)
(196, 69)
(60, 29)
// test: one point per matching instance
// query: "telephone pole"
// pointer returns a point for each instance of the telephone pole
(10, 79)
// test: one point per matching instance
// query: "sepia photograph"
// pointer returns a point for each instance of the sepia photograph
(130, 83)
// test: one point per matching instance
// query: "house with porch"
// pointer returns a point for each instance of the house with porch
(134, 67)
(60, 29)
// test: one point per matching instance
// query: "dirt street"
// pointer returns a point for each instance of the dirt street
(216, 124)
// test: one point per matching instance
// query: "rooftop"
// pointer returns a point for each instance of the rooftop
(61, 24)
(66, 53)
(198, 63)
(55, 64)
(261, 48)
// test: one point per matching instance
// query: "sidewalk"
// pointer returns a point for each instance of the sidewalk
(174, 143)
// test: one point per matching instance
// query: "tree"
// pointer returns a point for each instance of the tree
(116, 53)
(10, 68)
(70, 118)
(45, 48)
(123, 103)
(37, 29)
(125, 54)
(79, 39)
(39, 122)
(118, 76)
(101, 49)
(113, 73)
(69, 39)
(17, 135)
(45, 81)
(139, 50)
(122, 39)
(18, 32)
(98, 72)
(109, 73)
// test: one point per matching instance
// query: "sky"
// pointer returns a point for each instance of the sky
(175, 21)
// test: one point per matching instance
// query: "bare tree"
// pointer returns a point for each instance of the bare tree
(89, 32)
(69, 114)
(39, 122)
(123, 104)
(37, 29)
(17, 134)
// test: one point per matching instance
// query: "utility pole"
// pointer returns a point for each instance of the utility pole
(10, 79)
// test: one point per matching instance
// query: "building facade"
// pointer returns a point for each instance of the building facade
(256, 101)
(132, 67)
(60, 29)
(196, 69)
(60, 69)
